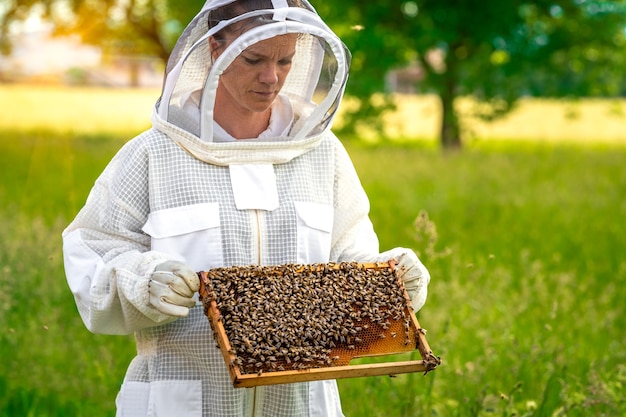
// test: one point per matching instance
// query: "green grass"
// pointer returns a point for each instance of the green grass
(51, 366)
(526, 302)
(524, 243)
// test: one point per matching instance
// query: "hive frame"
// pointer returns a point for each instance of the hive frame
(427, 363)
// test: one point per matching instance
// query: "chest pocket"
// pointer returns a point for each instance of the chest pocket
(189, 233)
(315, 225)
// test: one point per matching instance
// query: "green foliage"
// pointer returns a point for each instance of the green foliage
(523, 242)
(148, 27)
(493, 51)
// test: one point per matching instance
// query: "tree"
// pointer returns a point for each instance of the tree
(132, 27)
(492, 50)
(11, 11)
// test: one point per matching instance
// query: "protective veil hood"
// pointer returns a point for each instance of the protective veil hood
(313, 88)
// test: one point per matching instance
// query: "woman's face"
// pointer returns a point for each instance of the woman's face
(253, 80)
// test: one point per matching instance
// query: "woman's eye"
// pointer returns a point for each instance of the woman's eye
(251, 61)
(284, 62)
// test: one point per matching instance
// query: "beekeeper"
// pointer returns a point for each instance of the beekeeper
(240, 167)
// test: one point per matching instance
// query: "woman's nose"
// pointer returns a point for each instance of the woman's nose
(269, 74)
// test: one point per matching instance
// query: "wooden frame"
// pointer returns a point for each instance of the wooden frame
(428, 362)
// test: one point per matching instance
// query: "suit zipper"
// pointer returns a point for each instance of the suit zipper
(258, 237)
(257, 220)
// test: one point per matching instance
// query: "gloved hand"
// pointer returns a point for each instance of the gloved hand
(171, 288)
(413, 273)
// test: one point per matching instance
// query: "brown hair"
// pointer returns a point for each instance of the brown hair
(239, 7)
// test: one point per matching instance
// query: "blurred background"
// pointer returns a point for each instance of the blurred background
(489, 135)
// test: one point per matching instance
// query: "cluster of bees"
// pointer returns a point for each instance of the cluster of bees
(292, 317)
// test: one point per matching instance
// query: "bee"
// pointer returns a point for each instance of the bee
(246, 341)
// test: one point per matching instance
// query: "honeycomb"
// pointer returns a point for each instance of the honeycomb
(298, 317)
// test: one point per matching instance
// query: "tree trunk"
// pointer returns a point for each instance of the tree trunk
(450, 129)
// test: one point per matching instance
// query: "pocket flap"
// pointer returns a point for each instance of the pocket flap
(181, 220)
(315, 215)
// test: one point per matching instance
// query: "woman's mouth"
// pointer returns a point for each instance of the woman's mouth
(264, 94)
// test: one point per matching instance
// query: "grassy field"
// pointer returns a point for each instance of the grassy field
(524, 240)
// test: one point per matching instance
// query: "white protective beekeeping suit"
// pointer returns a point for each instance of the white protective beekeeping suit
(185, 190)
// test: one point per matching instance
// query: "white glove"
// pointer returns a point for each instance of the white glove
(412, 272)
(171, 288)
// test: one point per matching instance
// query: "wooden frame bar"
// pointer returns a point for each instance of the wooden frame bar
(428, 362)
